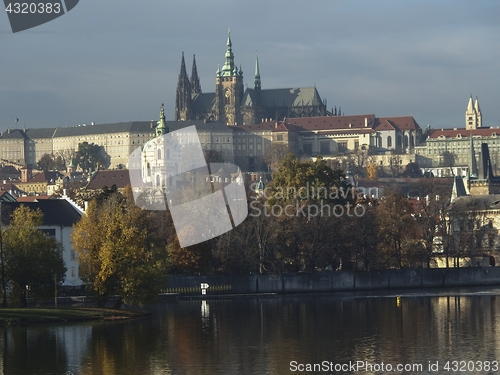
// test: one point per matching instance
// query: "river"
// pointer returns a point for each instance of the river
(410, 332)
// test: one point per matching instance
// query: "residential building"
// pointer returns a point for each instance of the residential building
(59, 216)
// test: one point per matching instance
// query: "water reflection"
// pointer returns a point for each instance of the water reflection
(262, 336)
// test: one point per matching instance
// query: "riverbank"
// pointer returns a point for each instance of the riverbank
(334, 281)
(22, 316)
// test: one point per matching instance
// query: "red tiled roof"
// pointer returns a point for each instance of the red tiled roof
(32, 198)
(119, 177)
(46, 176)
(401, 123)
(453, 133)
(338, 131)
(332, 122)
(264, 126)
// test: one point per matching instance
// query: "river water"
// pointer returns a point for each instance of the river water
(420, 332)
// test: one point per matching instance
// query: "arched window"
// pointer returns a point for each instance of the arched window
(227, 97)
(406, 141)
(389, 142)
(412, 141)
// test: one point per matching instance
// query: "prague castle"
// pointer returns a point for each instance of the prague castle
(231, 104)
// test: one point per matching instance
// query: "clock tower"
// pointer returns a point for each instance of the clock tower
(229, 89)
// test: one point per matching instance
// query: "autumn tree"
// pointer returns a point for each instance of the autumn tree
(372, 171)
(306, 197)
(396, 231)
(31, 261)
(121, 250)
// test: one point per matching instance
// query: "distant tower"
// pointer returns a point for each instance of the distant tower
(195, 80)
(229, 89)
(473, 118)
(257, 85)
(183, 94)
(161, 127)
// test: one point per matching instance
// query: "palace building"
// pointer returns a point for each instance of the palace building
(232, 104)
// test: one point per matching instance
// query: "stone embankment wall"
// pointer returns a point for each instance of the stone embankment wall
(338, 281)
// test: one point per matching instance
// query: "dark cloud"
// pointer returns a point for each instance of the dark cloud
(108, 61)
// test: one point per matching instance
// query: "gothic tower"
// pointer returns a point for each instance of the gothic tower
(229, 89)
(257, 85)
(195, 80)
(473, 118)
(183, 94)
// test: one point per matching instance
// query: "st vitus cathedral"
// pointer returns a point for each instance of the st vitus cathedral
(231, 104)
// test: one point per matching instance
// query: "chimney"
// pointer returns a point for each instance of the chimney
(366, 122)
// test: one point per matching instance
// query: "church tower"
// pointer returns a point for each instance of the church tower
(161, 127)
(183, 94)
(473, 118)
(195, 80)
(229, 89)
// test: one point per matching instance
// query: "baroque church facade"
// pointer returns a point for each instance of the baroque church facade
(232, 104)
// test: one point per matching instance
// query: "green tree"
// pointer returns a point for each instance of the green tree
(213, 156)
(32, 260)
(46, 162)
(275, 154)
(306, 197)
(90, 156)
(412, 170)
(121, 250)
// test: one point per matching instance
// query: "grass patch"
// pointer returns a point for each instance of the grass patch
(17, 316)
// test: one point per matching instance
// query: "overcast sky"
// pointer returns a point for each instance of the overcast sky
(118, 60)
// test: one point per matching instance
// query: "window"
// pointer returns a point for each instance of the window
(342, 147)
(324, 148)
(389, 141)
(307, 148)
(279, 137)
(49, 232)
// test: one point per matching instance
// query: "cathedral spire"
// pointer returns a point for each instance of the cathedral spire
(195, 80)
(478, 114)
(183, 74)
(183, 94)
(228, 68)
(257, 85)
(473, 118)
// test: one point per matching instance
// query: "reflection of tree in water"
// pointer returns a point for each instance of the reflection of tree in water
(131, 347)
(28, 350)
